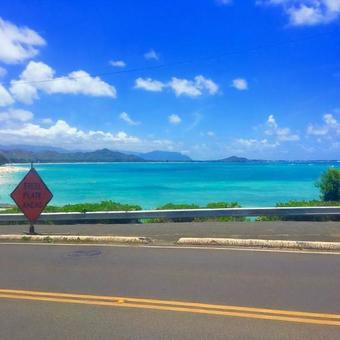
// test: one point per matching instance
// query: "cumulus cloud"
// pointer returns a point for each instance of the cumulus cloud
(38, 76)
(193, 88)
(16, 115)
(256, 143)
(174, 119)
(118, 63)
(149, 84)
(5, 97)
(308, 12)
(151, 54)
(276, 136)
(240, 84)
(18, 43)
(62, 134)
(184, 87)
(330, 125)
(181, 86)
(127, 119)
(281, 134)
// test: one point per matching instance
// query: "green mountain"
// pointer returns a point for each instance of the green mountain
(104, 155)
(235, 159)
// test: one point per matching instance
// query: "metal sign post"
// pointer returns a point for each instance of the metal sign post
(31, 196)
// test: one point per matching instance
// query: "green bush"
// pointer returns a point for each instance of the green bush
(86, 207)
(329, 185)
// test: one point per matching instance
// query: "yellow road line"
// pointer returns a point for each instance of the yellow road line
(177, 307)
(174, 303)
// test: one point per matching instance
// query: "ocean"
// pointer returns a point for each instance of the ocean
(153, 184)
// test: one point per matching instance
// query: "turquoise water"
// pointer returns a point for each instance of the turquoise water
(153, 184)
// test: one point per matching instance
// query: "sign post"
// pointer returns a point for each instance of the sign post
(31, 196)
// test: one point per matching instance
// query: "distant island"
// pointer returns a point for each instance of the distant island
(235, 159)
(44, 154)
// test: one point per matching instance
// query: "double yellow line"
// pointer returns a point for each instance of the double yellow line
(175, 306)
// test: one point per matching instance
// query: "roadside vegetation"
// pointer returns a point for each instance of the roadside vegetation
(329, 185)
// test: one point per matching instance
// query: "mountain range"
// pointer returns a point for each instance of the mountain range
(43, 154)
(54, 155)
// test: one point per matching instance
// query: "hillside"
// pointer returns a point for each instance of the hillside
(104, 155)
(235, 159)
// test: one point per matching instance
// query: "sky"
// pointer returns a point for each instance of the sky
(208, 78)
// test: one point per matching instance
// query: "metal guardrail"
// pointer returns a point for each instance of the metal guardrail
(183, 213)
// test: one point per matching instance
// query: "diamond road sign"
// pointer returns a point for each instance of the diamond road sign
(31, 195)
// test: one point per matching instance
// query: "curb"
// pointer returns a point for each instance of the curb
(256, 243)
(77, 238)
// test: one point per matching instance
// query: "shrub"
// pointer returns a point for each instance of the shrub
(329, 185)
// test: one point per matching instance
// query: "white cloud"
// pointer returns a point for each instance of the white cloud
(281, 134)
(255, 143)
(181, 87)
(127, 119)
(64, 135)
(38, 76)
(61, 133)
(308, 12)
(330, 125)
(151, 55)
(193, 88)
(277, 136)
(184, 87)
(16, 115)
(211, 134)
(5, 97)
(174, 119)
(18, 43)
(149, 84)
(118, 63)
(3, 72)
(240, 84)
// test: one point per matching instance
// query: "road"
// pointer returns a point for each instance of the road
(262, 295)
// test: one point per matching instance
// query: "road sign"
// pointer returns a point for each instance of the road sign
(31, 195)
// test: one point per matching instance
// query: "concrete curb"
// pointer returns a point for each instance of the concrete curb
(256, 243)
(77, 238)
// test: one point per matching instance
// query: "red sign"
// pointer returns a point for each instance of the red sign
(31, 195)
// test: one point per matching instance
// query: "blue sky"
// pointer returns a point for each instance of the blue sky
(209, 78)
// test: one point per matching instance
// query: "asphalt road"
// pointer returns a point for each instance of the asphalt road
(268, 280)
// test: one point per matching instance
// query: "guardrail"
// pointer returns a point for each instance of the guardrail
(183, 213)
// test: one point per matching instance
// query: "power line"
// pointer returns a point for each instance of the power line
(183, 62)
